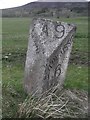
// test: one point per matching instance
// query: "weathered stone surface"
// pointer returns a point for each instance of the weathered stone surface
(48, 54)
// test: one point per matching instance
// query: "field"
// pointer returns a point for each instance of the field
(15, 40)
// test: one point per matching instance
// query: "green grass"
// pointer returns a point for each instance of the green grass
(15, 34)
(13, 74)
(13, 92)
(77, 77)
(81, 44)
(15, 40)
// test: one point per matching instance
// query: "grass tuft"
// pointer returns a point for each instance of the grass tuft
(55, 104)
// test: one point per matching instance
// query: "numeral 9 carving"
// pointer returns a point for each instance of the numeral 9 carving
(60, 29)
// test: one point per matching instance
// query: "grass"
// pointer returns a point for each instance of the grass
(77, 77)
(15, 30)
(13, 92)
(55, 104)
(15, 40)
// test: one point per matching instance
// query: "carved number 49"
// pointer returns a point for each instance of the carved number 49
(58, 28)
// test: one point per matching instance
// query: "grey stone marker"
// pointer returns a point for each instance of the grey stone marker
(49, 48)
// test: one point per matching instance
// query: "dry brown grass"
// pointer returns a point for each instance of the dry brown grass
(56, 104)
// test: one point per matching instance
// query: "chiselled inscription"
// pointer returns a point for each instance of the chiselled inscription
(45, 29)
(57, 70)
